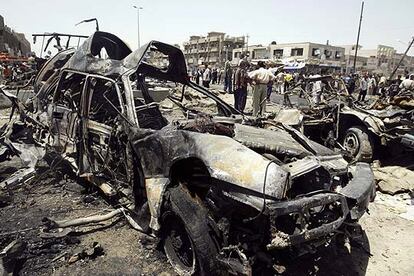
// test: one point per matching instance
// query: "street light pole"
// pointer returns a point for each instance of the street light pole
(138, 8)
(359, 31)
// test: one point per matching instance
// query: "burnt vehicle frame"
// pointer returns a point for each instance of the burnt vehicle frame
(219, 193)
(359, 131)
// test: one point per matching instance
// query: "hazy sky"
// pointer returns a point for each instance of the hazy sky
(384, 21)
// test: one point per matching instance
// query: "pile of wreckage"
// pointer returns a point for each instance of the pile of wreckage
(361, 131)
(224, 193)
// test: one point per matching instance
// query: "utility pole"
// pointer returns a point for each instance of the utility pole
(247, 44)
(138, 8)
(402, 58)
(359, 31)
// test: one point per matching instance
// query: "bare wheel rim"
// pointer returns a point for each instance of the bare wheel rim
(179, 248)
(351, 143)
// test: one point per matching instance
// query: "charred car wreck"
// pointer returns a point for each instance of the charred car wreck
(359, 130)
(221, 194)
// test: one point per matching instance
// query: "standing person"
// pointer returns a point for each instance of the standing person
(351, 84)
(381, 85)
(364, 87)
(227, 76)
(198, 76)
(261, 77)
(214, 76)
(316, 90)
(269, 90)
(280, 83)
(240, 86)
(206, 77)
(219, 75)
(372, 83)
(288, 80)
(230, 80)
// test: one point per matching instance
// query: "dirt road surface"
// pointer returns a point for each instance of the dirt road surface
(387, 248)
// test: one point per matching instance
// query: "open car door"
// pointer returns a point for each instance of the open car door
(103, 150)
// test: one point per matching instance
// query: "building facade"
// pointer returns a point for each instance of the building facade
(11, 42)
(306, 53)
(383, 60)
(213, 49)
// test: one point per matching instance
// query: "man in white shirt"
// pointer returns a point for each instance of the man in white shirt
(408, 84)
(261, 77)
(206, 77)
(372, 83)
(316, 90)
(364, 87)
(280, 83)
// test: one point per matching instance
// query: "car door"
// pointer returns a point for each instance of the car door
(103, 148)
(64, 113)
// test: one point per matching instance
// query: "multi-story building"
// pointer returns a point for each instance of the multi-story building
(12, 42)
(213, 49)
(300, 54)
(383, 59)
(254, 52)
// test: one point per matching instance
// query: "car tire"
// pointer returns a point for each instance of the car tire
(186, 232)
(358, 143)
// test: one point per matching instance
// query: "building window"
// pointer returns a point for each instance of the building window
(237, 54)
(278, 53)
(296, 52)
(338, 54)
(316, 52)
(328, 53)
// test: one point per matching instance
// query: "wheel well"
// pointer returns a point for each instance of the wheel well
(346, 121)
(193, 173)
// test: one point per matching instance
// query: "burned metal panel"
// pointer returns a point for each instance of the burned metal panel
(155, 188)
(361, 189)
(159, 150)
(275, 140)
(372, 123)
(301, 166)
(305, 207)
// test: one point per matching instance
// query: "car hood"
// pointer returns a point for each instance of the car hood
(282, 140)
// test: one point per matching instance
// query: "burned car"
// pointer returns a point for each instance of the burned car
(359, 130)
(222, 195)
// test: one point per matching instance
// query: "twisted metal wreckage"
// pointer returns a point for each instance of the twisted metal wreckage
(361, 131)
(221, 193)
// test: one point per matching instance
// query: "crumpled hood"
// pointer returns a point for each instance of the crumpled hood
(278, 140)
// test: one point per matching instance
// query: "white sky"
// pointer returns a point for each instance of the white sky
(173, 21)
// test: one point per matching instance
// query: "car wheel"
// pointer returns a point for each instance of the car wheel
(358, 143)
(188, 241)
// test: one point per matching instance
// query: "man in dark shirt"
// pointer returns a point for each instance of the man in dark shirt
(240, 83)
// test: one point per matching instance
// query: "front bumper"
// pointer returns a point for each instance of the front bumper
(317, 215)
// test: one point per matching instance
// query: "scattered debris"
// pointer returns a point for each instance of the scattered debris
(394, 179)
(401, 204)
(360, 130)
(50, 224)
(95, 250)
(9, 256)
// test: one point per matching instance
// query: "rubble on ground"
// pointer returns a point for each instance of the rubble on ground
(394, 179)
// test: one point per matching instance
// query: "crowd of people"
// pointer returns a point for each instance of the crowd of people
(266, 78)
(263, 78)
